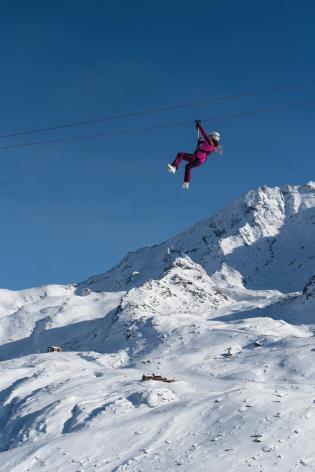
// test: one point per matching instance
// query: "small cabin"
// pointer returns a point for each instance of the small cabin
(54, 349)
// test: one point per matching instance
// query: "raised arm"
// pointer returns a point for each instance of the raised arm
(202, 131)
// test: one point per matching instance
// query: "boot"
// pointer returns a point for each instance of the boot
(171, 169)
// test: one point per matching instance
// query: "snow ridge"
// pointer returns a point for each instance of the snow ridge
(261, 235)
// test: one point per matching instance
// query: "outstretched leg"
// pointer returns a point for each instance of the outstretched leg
(183, 156)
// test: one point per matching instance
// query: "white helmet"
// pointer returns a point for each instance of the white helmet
(215, 134)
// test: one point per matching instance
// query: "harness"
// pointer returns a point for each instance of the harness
(201, 150)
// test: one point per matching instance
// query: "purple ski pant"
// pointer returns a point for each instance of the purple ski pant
(193, 161)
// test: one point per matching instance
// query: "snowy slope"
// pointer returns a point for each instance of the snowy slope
(226, 309)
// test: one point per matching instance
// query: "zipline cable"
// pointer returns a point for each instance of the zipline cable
(156, 110)
(150, 128)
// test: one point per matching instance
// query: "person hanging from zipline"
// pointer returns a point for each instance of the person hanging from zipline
(207, 143)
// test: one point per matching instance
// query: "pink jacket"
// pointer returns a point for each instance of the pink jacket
(204, 148)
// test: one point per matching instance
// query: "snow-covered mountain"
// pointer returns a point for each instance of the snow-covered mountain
(266, 236)
(226, 308)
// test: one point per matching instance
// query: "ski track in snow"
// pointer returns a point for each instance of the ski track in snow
(226, 309)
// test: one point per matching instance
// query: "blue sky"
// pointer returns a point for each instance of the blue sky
(70, 210)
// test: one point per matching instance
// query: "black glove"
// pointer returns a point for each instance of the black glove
(197, 122)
